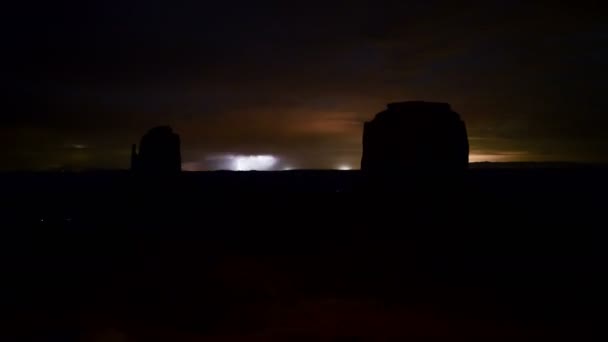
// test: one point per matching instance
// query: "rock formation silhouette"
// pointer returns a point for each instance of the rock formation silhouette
(415, 136)
(159, 152)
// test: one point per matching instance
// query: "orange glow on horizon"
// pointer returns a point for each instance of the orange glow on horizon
(498, 157)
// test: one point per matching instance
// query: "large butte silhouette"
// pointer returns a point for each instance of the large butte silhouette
(414, 137)
(159, 152)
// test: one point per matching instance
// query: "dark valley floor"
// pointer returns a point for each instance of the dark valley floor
(497, 254)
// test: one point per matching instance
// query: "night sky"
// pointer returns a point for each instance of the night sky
(296, 79)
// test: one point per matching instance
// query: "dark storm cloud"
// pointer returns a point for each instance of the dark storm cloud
(298, 79)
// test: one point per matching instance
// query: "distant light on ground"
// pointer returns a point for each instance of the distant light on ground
(249, 163)
(79, 146)
(235, 162)
(345, 167)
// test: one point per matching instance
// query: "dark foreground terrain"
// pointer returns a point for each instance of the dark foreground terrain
(498, 255)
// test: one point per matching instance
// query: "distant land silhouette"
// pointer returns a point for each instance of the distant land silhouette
(411, 136)
(499, 254)
(415, 136)
(159, 152)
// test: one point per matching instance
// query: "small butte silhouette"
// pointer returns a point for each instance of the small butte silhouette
(159, 152)
(410, 137)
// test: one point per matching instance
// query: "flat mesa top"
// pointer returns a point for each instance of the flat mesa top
(418, 111)
(419, 106)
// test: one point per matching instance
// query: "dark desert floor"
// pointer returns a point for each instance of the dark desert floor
(502, 254)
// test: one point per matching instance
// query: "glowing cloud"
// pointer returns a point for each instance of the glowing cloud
(248, 163)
